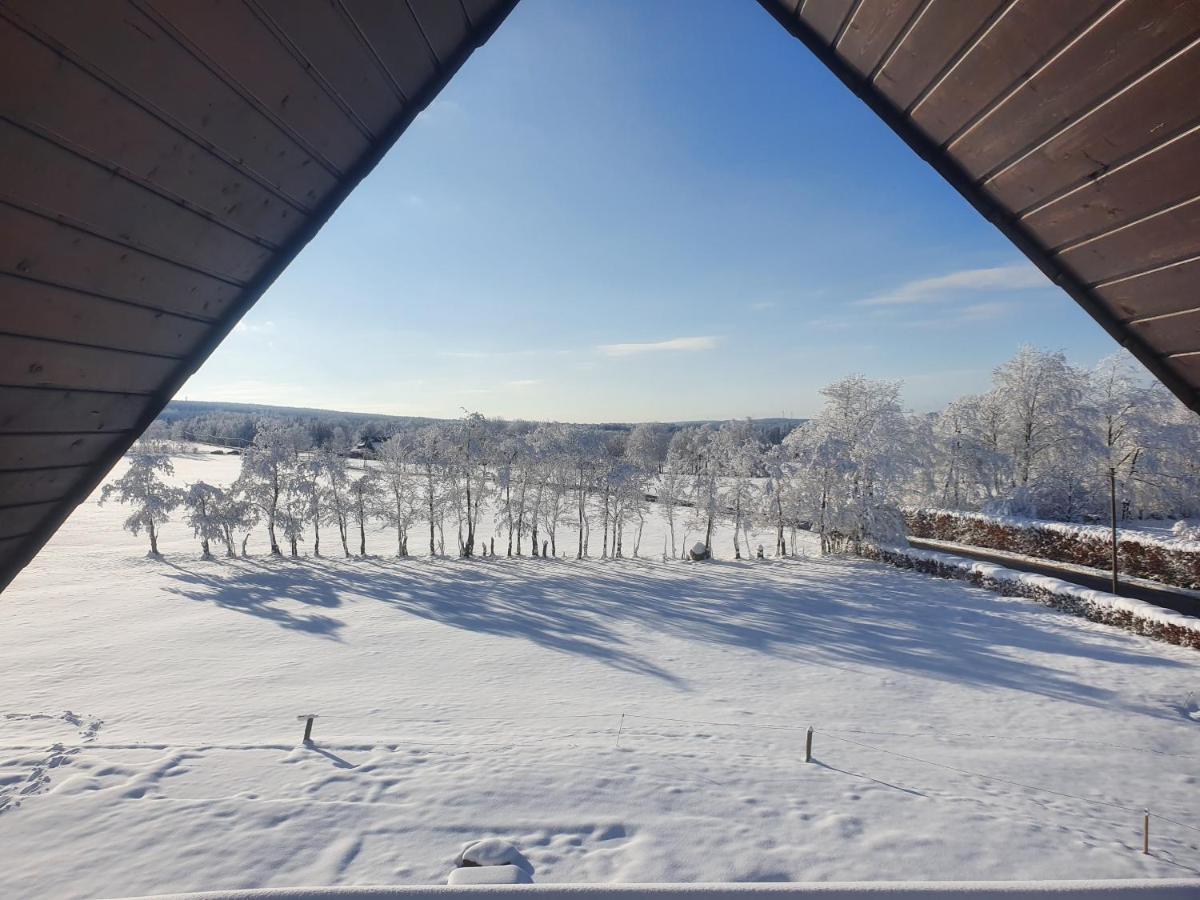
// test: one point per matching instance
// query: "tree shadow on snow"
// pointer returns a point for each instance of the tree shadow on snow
(266, 590)
(828, 613)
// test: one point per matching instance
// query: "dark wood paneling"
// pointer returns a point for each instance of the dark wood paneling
(127, 47)
(86, 114)
(934, 41)
(1151, 183)
(1010, 50)
(23, 451)
(36, 247)
(30, 410)
(1163, 238)
(1167, 290)
(228, 35)
(30, 308)
(37, 485)
(1127, 43)
(444, 25)
(17, 520)
(480, 11)
(1150, 112)
(1174, 334)
(405, 56)
(825, 17)
(8, 545)
(873, 30)
(25, 362)
(322, 34)
(41, 175)
(1188, 367)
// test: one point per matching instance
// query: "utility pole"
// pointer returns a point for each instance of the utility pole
(1112, 500)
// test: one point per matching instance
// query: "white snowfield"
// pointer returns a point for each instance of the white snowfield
(626, 721)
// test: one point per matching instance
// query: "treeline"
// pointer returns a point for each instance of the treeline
(235, 425)
(1048, 439)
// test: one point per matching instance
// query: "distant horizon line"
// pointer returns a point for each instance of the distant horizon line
(246, 406)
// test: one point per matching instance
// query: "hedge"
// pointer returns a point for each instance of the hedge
(1097, 606)
(1175, 563)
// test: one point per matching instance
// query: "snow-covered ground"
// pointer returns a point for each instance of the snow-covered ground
(617, 720)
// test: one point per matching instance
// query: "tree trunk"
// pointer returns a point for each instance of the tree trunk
(275, 551)
(153, 539)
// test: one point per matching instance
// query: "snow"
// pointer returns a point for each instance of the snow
(957, 550)
(150, 740)
(993, 571)
(1156, 533)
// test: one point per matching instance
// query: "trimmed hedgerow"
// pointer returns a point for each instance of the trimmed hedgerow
(1097, 606)
(1176, 563)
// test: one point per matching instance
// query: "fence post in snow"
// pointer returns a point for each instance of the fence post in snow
(620, 728)
(808, 745)
(307, 718)
(1146, 832)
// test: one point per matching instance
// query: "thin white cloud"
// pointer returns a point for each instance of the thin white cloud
(684, 344)
(763, 304)
(940, 288)
(524, 382)
(255, 328)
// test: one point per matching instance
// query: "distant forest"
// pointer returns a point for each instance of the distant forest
(235, 424)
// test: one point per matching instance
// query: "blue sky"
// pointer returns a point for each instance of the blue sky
(635, 211)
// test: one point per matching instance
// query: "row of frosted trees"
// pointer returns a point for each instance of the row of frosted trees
(1048, 438)
(549, 488)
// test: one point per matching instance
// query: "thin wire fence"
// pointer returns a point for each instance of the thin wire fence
(614, 728)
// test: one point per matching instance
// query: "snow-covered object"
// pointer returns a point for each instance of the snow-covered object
(489, 875)
(493, 852)
(1019, 504)
(1185, 531)
(699, 551)
(1124, 612)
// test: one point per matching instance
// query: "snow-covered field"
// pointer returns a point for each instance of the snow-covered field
(617, 720)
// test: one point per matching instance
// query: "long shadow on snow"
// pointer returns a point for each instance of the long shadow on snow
(260, 590)
(825, 613)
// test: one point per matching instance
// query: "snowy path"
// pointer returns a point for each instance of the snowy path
(960, 734)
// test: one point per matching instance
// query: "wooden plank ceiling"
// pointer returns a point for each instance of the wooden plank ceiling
(1072, 125)
(162, 161)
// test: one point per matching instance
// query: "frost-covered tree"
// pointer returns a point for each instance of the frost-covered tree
(430, 455)
(468, 458)
(672, 489)
(203, 502)
(854, 456)
(237, 516)
(399, 500)
(310, 495)
(335, 492)
(268, 475)
(364, 500)
(142, 487)
(1039, 392)
(739, 450)
(701, 450)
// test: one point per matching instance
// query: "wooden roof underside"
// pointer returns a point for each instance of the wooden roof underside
(1071, 125)
(162, 161)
